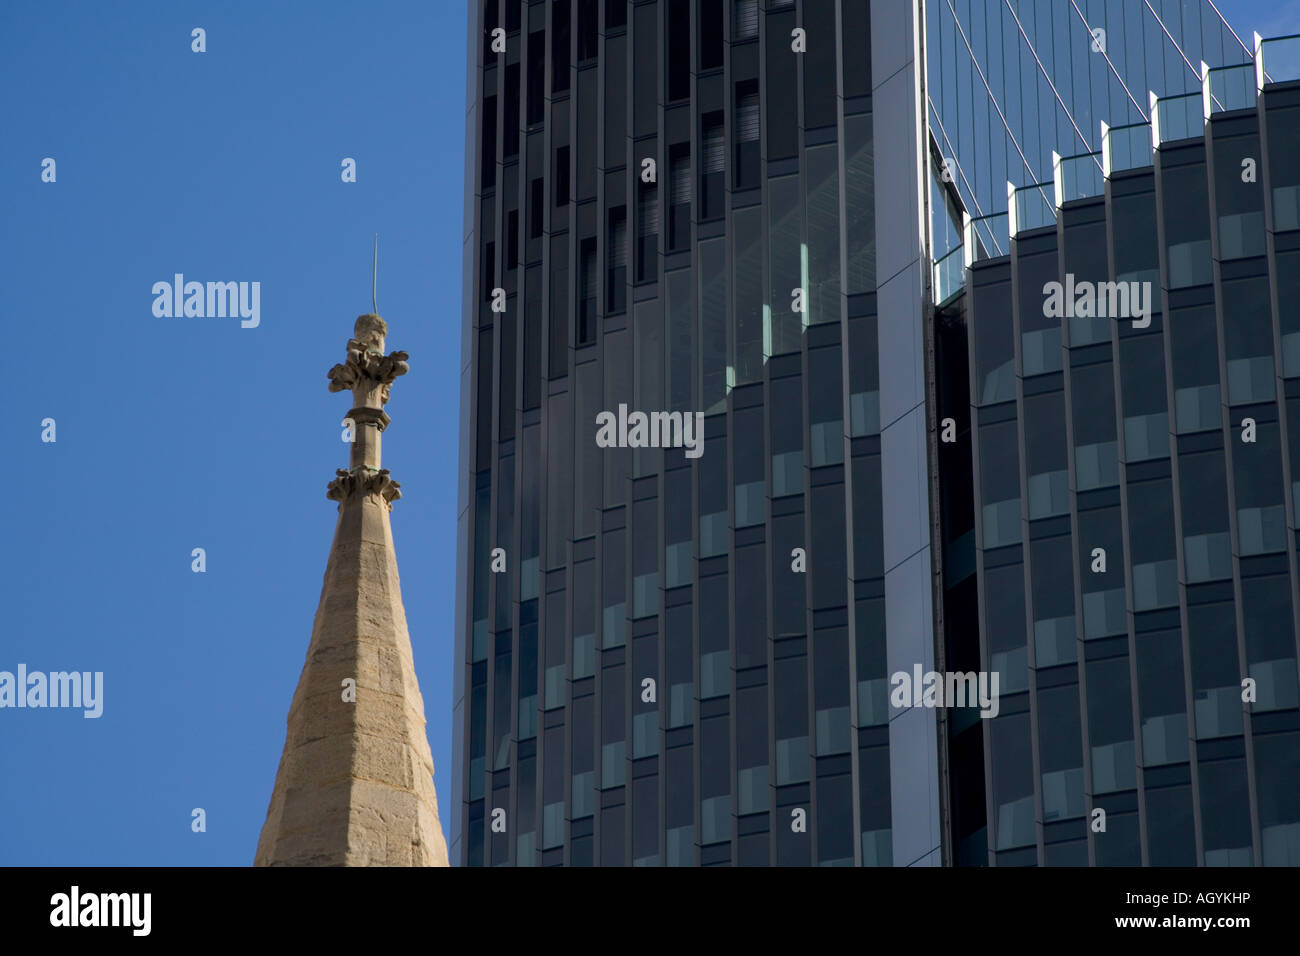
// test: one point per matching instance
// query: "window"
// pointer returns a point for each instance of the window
(1239, 205)
(782, 86)
(1195, 369)
(1104, 605)
(1187, 224)
(560, 15)
(712, 169)
(511, 124)
(1040, 337)
(512, 239)
(821, 208)
(787, 586)
(710, 36)
(679, 202)
(1248, 341)
(747, 262)
(647, 231)
(1151, 531)
(826, 560)
(1207, 551)
(587, 286)
(1137, 257)
(1000, 484)
(819, 95)
(786, 411)
(1013, 781)
(584, 624)
(1110, 725)
(1050, 567)
(614, 617)
(1277, 763)
(744, 20)
(562, 176)
(1096, 452)
(1046, 464)
(785, 264)
(995, 360)
(489, 269)
(1142, 389)
(679, 49)
(747, 452)
(713, 327)
(561, 310)
(790, 693)
(859, 201)
(1171, 837)
(646, 91)
(746, 133)
(536, 208)
(536, 77)
(1160, 697)
(1270, 645)
(825, 407)
(1257, 476)
(488, 158)
(616, 284)
(1225, 813)
(1004, 623)
(1212, 644)
(1060, 753)
(588, 22)
(831, 692)
(681, 666)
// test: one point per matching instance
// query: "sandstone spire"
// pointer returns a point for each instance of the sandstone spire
(355, 784)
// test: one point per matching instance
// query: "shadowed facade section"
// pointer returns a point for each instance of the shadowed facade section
(355, 782)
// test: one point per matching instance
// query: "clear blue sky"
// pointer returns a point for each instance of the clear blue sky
(174, 434)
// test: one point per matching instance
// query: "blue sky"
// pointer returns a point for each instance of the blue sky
(174, 434)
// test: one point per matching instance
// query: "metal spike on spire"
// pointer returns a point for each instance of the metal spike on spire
(374, 278)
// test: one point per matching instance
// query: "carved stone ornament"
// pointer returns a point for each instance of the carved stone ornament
(365, 482)
(366, 366)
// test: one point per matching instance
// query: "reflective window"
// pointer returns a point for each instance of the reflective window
(1142, 385)
(1092, 400)
(1060, 753)
(1216, 691)
(1045, 455)
(1050, 562)
(1110, 725)
(1270, 642)
(1195, 348)
(1187, 225)
(1160, 697)
(1004, 623)
(1000, 484)
(1248, 341)
(995, 360)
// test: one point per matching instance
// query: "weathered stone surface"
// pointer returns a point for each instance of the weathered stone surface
(355, 782)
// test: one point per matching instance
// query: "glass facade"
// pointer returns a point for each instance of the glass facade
(1155, 682)
(677, 659)
(682, 652)
(1012, 83)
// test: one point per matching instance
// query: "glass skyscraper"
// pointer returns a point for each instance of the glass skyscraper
(748, 212)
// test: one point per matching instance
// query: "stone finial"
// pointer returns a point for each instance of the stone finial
(367, 372)
(367, 483)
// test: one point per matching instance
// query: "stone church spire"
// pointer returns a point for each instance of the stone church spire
(355, 784)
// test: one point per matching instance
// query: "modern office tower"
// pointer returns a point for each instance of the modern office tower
(1134, 493)
(683, 655)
